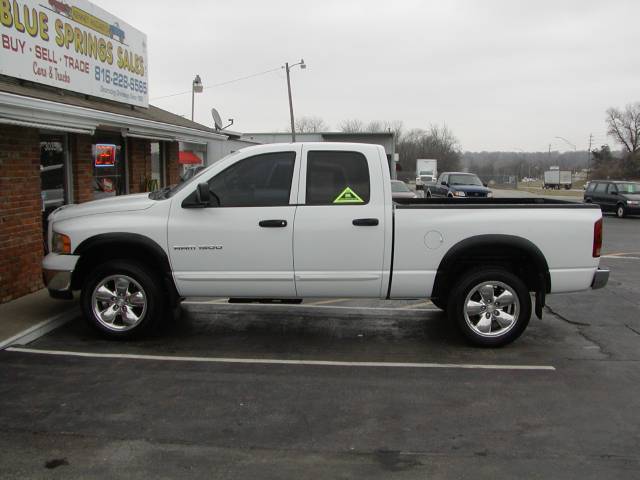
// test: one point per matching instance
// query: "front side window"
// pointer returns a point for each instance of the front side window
(259, 181)
(612, 188)
(337, 178)
(600, 188)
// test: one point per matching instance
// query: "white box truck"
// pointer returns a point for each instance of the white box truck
(426, 171)
(557, 179)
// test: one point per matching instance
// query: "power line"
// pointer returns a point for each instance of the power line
(221, 83)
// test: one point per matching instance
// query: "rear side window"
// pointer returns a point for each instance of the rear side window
(600, 188)
(260, 181)
(337, 178)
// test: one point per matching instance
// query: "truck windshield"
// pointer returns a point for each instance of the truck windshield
(629, 187)
(464, 179)
(171, 190)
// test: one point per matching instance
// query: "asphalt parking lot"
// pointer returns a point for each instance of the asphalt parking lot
(337, 388)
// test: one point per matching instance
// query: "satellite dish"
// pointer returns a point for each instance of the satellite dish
(217, 121)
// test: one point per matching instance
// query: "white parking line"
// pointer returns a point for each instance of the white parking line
(270, 361)
(324, 302)
(311, 305)
(414, 306)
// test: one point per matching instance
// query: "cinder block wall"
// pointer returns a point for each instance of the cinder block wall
(21, 238)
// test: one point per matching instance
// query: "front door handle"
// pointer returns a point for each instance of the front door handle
(365, 222)
(272, 223)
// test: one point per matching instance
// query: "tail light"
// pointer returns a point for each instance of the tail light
(597, 238)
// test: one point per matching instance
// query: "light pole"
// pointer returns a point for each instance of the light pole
(288, 68)
(196, 87)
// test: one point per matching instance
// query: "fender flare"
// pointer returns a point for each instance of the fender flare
(543, 280)
(100, 243)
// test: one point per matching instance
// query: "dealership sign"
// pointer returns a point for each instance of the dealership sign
(75, 45)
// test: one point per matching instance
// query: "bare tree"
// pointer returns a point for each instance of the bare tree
(624, 126)
(351, 126)
(309, 124)
(374, 126)
(436, 142)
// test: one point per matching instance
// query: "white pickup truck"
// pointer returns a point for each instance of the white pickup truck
(293, 221)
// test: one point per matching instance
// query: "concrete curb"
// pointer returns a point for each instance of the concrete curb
(38, 330)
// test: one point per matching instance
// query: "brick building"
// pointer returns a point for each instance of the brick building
(59, 147)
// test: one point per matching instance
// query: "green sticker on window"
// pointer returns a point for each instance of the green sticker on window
(348, 196)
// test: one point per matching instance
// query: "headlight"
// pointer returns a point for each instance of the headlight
(633, 202)
(60, 243)
(489, 194)
(459, 194)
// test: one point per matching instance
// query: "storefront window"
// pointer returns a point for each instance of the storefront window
(108, 167)
(157, 167)
(191, 156)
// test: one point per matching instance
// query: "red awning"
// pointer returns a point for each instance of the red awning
(187, 157)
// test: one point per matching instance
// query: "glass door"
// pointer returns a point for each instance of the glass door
(53, 174)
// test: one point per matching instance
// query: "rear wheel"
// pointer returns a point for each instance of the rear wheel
(121, 300)
(620, 211)
(492, 307)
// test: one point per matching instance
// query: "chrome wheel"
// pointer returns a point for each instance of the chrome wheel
(620, 211)
(491, 308)
(119, 303)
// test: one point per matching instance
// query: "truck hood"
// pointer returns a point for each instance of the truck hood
(470, 188)
(122, 203)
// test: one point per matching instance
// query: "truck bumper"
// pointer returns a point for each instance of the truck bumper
(600, 278)
(56, 274)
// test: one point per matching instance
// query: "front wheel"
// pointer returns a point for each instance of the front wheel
(492, 307)
(122, 300)
(620, 211)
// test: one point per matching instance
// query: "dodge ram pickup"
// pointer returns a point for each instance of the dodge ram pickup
(304, 220)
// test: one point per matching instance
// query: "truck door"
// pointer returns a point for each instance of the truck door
(242, 245)
(339, 231)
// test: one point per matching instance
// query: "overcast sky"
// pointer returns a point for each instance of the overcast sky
(502, 74)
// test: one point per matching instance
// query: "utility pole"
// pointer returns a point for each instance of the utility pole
(293, 128)
(288, 69)
(589, 156)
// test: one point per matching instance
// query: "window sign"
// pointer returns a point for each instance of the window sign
(105, 155)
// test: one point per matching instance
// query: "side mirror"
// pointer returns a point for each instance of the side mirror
(444, 183)
(203, 195)
(485, 184)
(614, 192)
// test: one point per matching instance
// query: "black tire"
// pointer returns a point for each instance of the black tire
(620, 211)
(156, 303)
(469, 282)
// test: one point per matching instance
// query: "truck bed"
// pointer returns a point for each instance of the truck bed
(443, 202)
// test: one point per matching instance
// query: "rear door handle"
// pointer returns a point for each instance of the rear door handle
(365, 222)
(272, 223)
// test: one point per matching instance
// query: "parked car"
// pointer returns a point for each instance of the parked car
(399, 189)
(457, 185)
(620, 197)
(292, 221)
